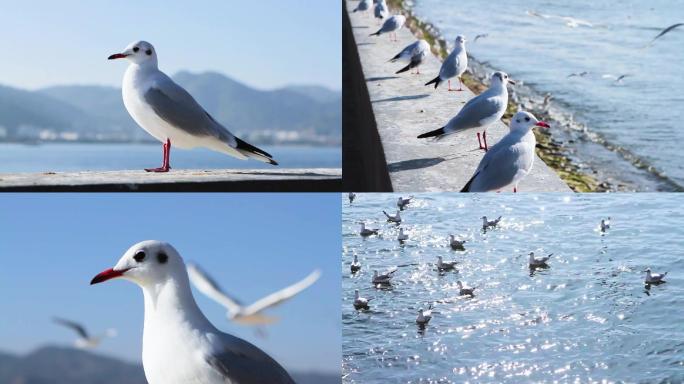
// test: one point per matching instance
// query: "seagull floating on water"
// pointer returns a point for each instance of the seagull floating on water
(465, 290)
(355, 265)
(456, 245)
(391, 25)
(360, 302)
(479, 112)
(538, 262)
(402, 236)
(402, 203)
(424, 317)
(384, 278)
(453, 66)
(393, 219)
(445, 265)
(654, 278)
(351, 196)
(486, 224)
(365, 232)
(85, 340)
(167, 111)
(605, 224)
(179, 344)
(247, 314)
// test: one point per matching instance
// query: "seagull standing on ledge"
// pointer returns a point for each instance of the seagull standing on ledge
(180, 345)
(454, 65)
(167, 111)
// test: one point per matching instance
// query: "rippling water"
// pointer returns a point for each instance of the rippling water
(639, 119)
(586, 318)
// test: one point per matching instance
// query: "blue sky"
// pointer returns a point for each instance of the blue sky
(265, 43)
(52, 245)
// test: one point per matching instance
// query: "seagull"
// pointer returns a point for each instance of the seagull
(580, 74)
(355, 265)
(180, 345)
(167, 111)
(424, 317)
(486, 224)
(360, 302)
(453, 66)
(352, 196)
(654, 278)
(416, 53)
(481, 36)
(465, 290)
(538, 262)
(616, 79)
(363, 6)
(393, 219)
(402, 236)
(381, 9)
(385, 278)
(391, 25)
(663, 32)
(456, 245)
(250, 314)
(85, 340)
(365, 232)
(445, 265)
(402, 203)
(510, 160)
(480, 111)
(605, 224)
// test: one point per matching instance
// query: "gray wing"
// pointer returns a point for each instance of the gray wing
(475, 110)
(499, 166)
(409, 50)
(243, 363)
(390, 25)
(178, 108)
(451, 65)
(73, 325)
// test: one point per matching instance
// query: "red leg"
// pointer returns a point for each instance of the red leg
(460, 84)
(479, 142)
(484, 138)
(515, 189)
(166, 148)
(449, 88)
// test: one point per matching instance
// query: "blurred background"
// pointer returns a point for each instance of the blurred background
(251, 244)
(269, 71)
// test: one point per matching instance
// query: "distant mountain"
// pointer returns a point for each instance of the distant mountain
(97, 113)
(58, 365)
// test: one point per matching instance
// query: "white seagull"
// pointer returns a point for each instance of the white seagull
(393, 219)
(360, 302)
(424, 317)
(380, 10)
(479, 112)
(402, 236)
(351, 196)
(391, 25)
(415, 53)
(355, 265)
(365, 232)
(464, 290)
(362, 6)
(654, 278)
(402, 203)
(486, 224)
(454, 65)
(85, 340)
(538, 262)
(509, 160)
(180, 345)
(167, 111)
(456, 245)
(247, 314)
(445, 265)
(384, 278)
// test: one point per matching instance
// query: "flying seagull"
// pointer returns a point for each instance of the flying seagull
(663, 32)
(84, 340)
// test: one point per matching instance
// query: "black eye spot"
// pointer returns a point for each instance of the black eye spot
(517, 120)
(162, 257)
(139, 256)
(527, 119)
(149, 52)
(136, 49)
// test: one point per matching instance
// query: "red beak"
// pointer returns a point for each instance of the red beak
(117, 56)
(543, 124)
(107, 275)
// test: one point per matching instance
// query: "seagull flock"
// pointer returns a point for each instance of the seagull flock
(511, 159)
(381, 280)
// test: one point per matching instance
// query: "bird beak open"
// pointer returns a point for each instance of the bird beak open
(117, 56)
(543, 124)
(107, 275)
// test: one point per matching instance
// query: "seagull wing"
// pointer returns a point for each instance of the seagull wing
(282, 295)
(478, 108)
(499, 165)
(666, 30)
(73, 325)
(207, 286)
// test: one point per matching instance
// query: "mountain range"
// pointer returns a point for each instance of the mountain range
(96, 113)
(60, 365)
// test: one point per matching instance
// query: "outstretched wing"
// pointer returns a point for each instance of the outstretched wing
(73, 325)
(283, 295)
(209, 287)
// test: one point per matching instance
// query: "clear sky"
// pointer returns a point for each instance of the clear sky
(252, 244)
(265, 43)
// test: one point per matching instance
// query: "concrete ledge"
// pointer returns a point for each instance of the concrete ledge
(403, 107)
(216, 180)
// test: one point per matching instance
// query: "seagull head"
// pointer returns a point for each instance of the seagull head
(501, 78)
(138, 52)
(524, 121)
(147, 264)
(460, 40)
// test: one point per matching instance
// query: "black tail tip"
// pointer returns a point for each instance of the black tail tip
(436, 132)
(272, 162)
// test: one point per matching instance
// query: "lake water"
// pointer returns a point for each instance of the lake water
(101, 157)
(587, 318)
(628, 132)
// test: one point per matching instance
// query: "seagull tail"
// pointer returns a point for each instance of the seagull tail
(406, 68)
(395, 58)
(436, 81)
(436, 132)
(253, 152)
(376, 33)
(466, 188)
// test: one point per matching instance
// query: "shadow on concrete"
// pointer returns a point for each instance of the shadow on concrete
(408, 165)
(401, 98)
(382, 78)
(366, 44)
